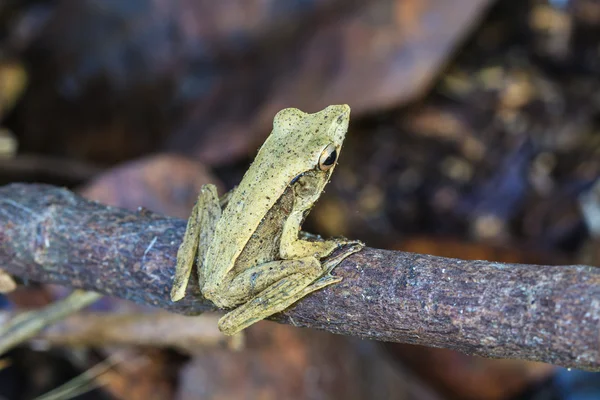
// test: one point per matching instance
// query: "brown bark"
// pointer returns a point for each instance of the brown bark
(534, 312)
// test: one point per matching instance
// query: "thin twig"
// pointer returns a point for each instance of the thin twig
(535, 312)
(84, 382)
(29, 324)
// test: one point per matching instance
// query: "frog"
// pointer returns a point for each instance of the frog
(251, 256)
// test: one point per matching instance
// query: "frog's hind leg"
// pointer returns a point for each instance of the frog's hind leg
(198, 235)
(278, 296)
(309, 275)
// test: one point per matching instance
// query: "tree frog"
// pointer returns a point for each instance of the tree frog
(250, 253)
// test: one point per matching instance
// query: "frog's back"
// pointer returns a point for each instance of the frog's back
(278, 162)
(293, 148)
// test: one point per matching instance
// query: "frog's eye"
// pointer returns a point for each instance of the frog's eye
(328, 158)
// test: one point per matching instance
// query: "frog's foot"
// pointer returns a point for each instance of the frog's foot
(348, 247)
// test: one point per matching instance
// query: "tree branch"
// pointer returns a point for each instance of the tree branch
(534, 312)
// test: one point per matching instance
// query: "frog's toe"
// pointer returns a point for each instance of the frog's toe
(347, 249)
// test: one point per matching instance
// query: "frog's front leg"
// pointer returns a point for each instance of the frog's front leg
(290, 280)
(297, 244)
(198, 235)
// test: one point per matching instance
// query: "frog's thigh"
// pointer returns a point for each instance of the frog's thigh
(198, 235)
(257, 278)
(275, 298)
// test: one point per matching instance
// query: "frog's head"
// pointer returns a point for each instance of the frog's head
(313, 140)
(306, 148)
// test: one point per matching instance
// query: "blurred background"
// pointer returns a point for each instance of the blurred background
(475, 134)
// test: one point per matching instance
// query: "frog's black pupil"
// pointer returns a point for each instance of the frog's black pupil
(331, 159)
